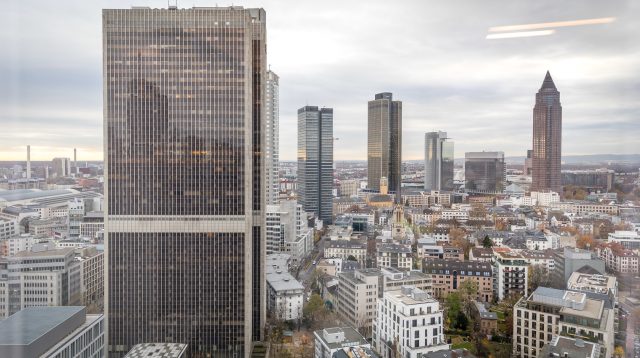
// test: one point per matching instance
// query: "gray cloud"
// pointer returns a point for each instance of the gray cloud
(432, 55)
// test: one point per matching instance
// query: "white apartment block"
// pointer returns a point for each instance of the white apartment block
(629, 239)
(285, 296)
(460, 215)
(394, 255)
(13, 245)
(411, 320)
(345, 248)
(8, 228)
(620, 261)
(548, 312)
(358, 291)
(544, 198)
(287, 230)
(76, 214)
(510, 273)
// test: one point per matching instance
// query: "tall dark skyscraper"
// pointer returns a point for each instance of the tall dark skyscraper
(438, 161)
(547, 138)
(184, 131)
(485, 172)
(384, 150)
(315, 161)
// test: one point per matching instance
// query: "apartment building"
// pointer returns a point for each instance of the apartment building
(510, 274)
(409, 322)
(548, 312)
(358, 291)
(394, 255)
(345, 248)
(619, 260)
(448, 275)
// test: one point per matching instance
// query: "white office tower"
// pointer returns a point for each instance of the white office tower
(272, 141)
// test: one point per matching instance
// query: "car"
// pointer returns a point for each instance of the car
(314, 262)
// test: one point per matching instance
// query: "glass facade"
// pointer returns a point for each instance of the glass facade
(184, 134)
(485, 172)
(315, 161)
(547, 138)
(438, 162)
(384, 142)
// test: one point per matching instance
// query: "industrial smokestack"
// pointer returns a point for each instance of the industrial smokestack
(75, 161)
(28, 162)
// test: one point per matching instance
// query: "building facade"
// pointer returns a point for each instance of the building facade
(62, 332)
(448, 275)
(272, 138)
(438, 162)
(384, 143)
(315, 161)
(409, 323)
(184, 121)
(547, 138)
(485, 172)
(548, 312)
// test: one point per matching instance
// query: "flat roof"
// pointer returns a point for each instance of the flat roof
(351, 336)
(157, 350)
(26, 194)
(29, 324)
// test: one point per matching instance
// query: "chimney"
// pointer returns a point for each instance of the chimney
(28, 162)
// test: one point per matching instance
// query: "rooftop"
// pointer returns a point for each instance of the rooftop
(26, 194)
(157, 350)
(570, 347)
(483, 312)
(29, 324)
(593, 283)
(340, 337)
(283, 281)
(409, 295)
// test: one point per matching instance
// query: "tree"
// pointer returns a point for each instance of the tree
(313, 308)
(468, 293)
(487, 242)
(458, 238)
(586, 242)
(618, 352)
(351, 258)
(538, 276)
(454, 306)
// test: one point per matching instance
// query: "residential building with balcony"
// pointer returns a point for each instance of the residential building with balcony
(409, 322)
(510, 274)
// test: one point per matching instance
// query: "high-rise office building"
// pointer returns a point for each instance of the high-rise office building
(315, 161)
(485, 172)
(438, 161)
(547, 138)
(528, 164)
(384, 150)
(272, 142)
(184, 93)
(61, 167)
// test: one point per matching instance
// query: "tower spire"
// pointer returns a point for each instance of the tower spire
(548, 81)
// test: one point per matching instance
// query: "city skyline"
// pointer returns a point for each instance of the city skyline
(453, 79)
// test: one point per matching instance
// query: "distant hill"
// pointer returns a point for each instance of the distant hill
(588, 159)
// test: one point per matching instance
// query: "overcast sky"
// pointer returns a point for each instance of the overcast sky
(433, 55)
